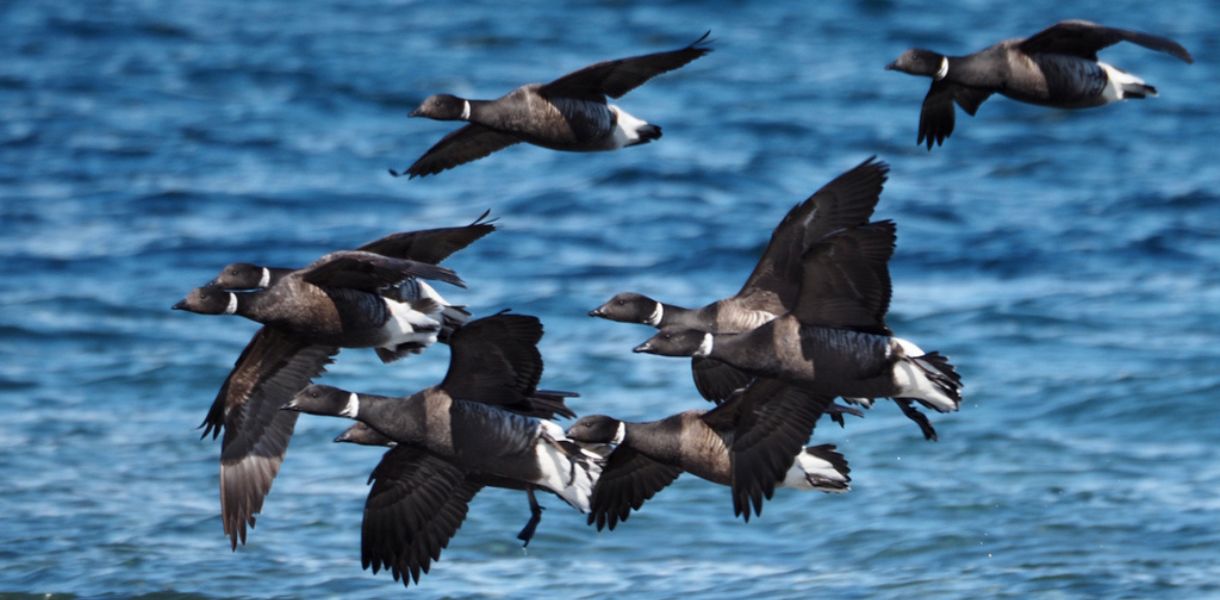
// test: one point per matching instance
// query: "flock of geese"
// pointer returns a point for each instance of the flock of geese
(807, 327)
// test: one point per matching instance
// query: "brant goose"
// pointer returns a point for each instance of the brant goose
(569, 113)
(308, 315)
(361, 434)
(340, 300)
(429, 246)
(1056, 67)
(771, 289)
(752, 442)
(835, 341)
(445, 433)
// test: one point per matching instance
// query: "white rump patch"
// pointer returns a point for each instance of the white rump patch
(465, 109)
(944, 68)
(908, 347)
(1117, 82)
(232, 307)
(911, 379)
(626, 127)
(353, 407)
(265, 280)
(620, 434)
(405, 325)
(809, 472)
(705, 348)
(655, 318)
(571, 477)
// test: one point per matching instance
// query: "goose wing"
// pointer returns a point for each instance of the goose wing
(614, 78)
(467, 144)
(1085, 39)
(271, 369)
(430, 245)
(846, 279)
(371, 272)
(771, 421)
(847, 201)
(495, 360)
(628, 480)
(416, 505)
(717, 380)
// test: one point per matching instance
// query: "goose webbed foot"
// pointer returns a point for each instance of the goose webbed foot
(527, 532)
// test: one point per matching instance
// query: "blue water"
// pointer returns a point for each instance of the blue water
(1068, 262)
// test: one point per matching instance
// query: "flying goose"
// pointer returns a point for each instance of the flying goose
(771, 289)
(308, 315)
(835, 341)
(450, 435)
(570, 113)
(429, 246)
(752, 443)
(1057, 67)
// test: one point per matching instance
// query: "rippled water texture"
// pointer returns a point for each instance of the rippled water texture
(1066, 261)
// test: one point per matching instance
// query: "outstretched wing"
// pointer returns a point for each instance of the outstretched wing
(467, 144)
(417, 503)
(370, 272)
(846, 279)
(614, 78)
(771, 422)
(430, 245)
(271, 369)
(1085, 39)
(495, 360)
(847, 201)
(936, 118)
(628, 480)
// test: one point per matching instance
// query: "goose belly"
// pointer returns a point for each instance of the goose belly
(841, 362)
(1062, 82)
(570, 124)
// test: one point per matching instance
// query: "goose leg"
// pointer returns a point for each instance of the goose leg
(920, 419)
(527, 533)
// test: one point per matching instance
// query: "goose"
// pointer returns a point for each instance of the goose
(361, 434)
(752, 443)
(430, 246)
(1055, 67)
(305, 325)
(570, 113)
(835, 341)
(477, 421)
(771, 289)
(338, 300)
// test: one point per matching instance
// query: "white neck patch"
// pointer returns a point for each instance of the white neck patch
(620, 435)
(232, 307)
(655, 318)
(353, 407)
(265, 280)
(944, 68)
(466, 108)
(706, 347)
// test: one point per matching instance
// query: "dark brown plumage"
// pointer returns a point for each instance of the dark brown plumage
(1056, 67)
(773, 285)
(570, 113)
